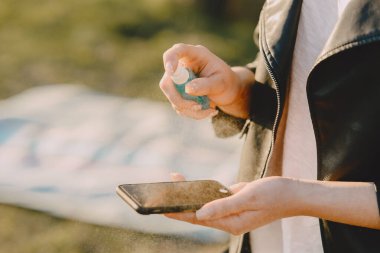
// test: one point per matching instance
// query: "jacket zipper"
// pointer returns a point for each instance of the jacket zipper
(274, 79)
(275, 119)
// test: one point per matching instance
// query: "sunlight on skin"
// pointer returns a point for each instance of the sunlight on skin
(192, 217)
(268, 199)
(223, 85)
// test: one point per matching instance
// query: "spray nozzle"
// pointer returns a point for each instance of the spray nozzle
(181, 75)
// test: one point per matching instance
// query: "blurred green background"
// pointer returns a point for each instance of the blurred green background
(113, 46)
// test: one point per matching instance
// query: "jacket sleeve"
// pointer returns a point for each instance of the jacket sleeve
(262, 102)
(226, 125)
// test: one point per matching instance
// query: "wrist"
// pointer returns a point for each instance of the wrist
(292, 192)
(284, 196)
(241, 78)
(304, 191)
(245, 76)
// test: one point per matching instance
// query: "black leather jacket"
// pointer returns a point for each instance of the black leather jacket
(343, 92)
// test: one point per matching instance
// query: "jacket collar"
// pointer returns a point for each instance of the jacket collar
(278, 30)
(358, 25)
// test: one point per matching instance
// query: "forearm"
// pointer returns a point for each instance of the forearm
(353, 203)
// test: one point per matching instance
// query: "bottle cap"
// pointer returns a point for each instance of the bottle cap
(181, 75)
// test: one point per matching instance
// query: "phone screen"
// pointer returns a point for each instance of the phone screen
(171, 196)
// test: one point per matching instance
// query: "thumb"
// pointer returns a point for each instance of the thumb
(222, 207)
(235, 188)
(203, 86)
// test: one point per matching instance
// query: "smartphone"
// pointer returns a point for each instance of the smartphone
(171, 197)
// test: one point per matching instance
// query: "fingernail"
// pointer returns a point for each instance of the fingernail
(169, 68)
(177, 177)
(190, 88)
(203, 214)
(173, 174)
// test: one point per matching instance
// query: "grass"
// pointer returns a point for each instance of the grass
(114, 46)
(26, 231)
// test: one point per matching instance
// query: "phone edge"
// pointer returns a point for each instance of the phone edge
(130, 201)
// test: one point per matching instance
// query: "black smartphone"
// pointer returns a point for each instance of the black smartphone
(171, 197)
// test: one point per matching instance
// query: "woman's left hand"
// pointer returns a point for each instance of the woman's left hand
(251, 206)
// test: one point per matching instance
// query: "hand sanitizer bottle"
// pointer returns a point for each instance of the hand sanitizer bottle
(183, 76)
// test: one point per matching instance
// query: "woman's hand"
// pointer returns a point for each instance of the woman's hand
(224, 86)
(265, 200)
(252, 205)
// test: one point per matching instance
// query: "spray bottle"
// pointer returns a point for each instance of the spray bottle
(183, 76)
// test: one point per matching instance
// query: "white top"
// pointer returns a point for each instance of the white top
(299, 158)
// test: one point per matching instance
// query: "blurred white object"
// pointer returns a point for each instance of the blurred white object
(65, 148)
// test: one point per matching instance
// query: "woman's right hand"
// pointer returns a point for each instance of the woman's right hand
(226, 87)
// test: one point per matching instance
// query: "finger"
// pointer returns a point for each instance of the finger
(235, 188)
(214, 87)
(182, 106)
(173, 95)
(177, 177)
(186, 216)
(200, 114)
(191, 218)
(237, 224)
(223, 207)
(204, 86)
(185, 52)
